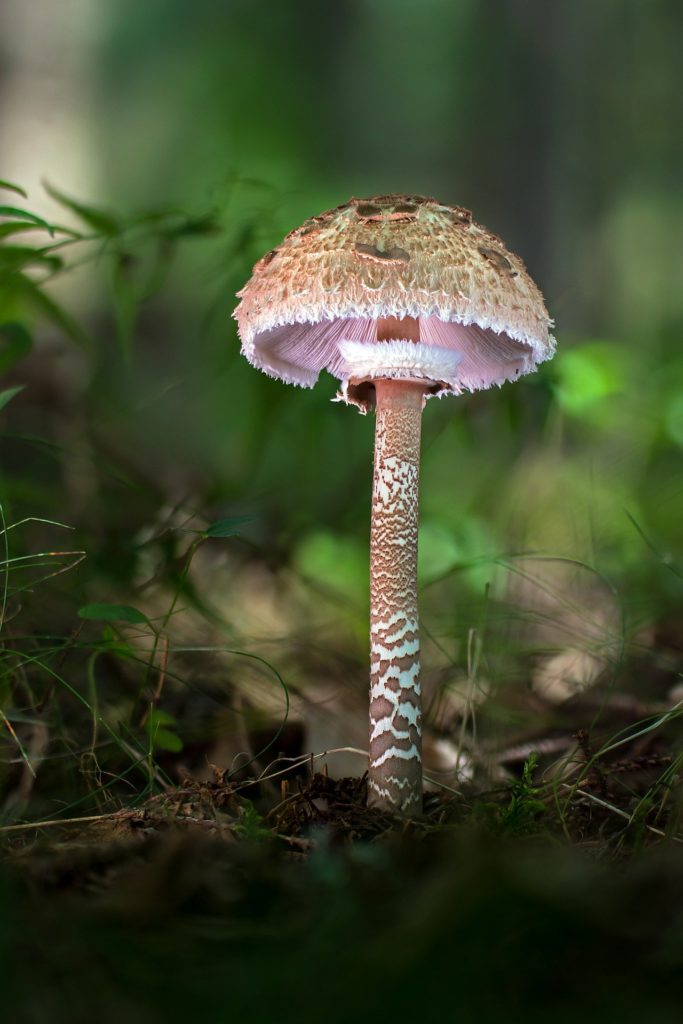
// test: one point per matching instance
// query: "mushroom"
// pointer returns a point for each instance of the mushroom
(401, 298)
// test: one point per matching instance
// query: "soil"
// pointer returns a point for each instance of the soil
(320, 908)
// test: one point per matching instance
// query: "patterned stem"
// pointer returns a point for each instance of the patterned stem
(395, 769)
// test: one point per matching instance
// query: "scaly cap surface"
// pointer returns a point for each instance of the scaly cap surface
(313, 302)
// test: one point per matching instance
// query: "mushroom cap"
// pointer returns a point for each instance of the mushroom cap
(313, 302)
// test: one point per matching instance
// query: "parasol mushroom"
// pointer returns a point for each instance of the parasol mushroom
(401, 298)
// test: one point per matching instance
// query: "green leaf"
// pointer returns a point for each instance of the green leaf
(7, 395)
(112, 613)
(161, 729)
(227, 527)
(49, 308)
(114, 643)
(14, 257)
(9, 187)
(16, 343)
(15, 227)
(207, 225)
(100, 220)
(173, 223)
(251, 824)
(164, 739)
(14, 211)
(155, 216)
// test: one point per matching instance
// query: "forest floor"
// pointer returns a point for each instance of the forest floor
(491, 907)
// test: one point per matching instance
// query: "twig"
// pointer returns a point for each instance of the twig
(66, 821)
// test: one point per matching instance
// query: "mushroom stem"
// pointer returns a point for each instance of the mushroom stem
(395, 766)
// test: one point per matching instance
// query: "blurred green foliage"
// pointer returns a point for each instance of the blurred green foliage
(241, 126)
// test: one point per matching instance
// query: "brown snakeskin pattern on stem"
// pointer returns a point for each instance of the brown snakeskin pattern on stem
(395, 767)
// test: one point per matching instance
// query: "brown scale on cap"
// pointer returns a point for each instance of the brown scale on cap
(497, 259)
(369, 211)
(374, 252)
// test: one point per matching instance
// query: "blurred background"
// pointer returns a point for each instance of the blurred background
(169, 145)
